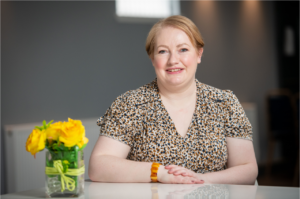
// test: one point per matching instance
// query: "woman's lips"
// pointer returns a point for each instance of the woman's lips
(174, 71)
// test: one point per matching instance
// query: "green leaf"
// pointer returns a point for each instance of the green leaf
(76, 148)
(59, 155)
(44, 124)
(65, 166)
(49, 163)
(82, 147)
(49, 123)
(62, 147)
(71, 166)
(55, 147)
(38, 127)
(71, 156)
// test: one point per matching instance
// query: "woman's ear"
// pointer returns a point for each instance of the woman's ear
(200, 52)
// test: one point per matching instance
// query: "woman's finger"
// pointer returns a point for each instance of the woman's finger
(178, 171)
(183, 180)
(184, 172)
(190, 174)
(187, 180)
(173, 169)
(199, 181)
(171, 166)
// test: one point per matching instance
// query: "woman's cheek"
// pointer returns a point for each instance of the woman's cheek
(160, 63)
(187, 61)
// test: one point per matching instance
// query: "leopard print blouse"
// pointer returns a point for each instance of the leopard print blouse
(139, 119)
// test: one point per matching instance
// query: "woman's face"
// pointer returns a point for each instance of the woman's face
(175, 58)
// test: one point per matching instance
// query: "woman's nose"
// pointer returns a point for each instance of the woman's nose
(173, 58)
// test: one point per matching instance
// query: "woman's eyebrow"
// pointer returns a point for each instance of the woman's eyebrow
(179, 45)
(162, 46)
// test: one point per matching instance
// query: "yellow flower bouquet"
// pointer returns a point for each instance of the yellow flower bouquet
(65, 142)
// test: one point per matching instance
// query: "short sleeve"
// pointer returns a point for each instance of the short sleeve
(237, 124)
(116, 122)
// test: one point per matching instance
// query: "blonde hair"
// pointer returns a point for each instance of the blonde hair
(176, 21)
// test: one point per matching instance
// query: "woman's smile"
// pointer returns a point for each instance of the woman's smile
(174, 70)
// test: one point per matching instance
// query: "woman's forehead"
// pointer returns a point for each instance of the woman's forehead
(171, 35)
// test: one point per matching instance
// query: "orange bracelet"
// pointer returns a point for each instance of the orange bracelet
(154, 169)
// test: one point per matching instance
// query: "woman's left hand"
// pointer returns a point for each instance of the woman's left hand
(178, 170)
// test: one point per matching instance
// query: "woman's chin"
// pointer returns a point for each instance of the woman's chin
(175, 82)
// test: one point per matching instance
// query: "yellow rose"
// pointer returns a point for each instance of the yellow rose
(83, 141)
(36, 141)
(54, 131)
(72, 133)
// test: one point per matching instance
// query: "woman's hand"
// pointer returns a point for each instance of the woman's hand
(164, 176)
(181, 171)
(178, 170)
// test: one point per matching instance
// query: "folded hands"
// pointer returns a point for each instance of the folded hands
(174, 174)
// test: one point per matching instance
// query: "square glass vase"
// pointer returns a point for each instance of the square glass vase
(68, 184)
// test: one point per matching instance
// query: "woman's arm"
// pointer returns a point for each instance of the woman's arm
(108, 163)
(242, 166)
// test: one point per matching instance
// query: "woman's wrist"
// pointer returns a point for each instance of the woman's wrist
(161, 171)
(203, 177)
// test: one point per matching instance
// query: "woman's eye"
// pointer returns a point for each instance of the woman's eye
(161, 51)
(184, 50)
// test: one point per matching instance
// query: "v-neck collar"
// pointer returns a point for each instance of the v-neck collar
(166, 113)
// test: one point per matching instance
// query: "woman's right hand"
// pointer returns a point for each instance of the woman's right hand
(164, 177)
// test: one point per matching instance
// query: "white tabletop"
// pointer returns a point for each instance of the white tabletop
(95, 190)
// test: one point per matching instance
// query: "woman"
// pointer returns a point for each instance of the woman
(189, 128)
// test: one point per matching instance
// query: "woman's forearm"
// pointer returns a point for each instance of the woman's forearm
(241, 174)
(107, 168)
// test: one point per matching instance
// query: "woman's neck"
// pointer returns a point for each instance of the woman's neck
(178, 94)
